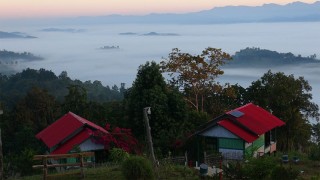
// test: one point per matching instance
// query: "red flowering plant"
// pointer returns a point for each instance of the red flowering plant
(180, 142)
(119, 138)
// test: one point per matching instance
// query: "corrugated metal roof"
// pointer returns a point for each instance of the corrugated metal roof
(247, 122)
(68, 125)
(236, 130)
(74, 141)
(257, 119)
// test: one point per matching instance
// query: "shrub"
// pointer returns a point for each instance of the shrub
(234, 170)
(280, 172)
(314, 153)
(137, 167)
(118, 155)
(259, 168)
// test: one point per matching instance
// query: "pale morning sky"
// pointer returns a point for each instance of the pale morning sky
(61, 8)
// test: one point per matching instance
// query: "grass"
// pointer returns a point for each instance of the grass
(113, 172)
(308, 170)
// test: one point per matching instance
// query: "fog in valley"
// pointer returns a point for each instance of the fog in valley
(86, 52)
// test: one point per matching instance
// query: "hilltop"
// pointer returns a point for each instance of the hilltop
(14, 35)
(292, 12)
(256, 57)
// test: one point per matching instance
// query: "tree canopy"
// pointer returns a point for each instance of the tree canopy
(289, 99)
(195, 74)
(167, 106)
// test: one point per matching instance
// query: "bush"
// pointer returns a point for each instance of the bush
(137, 167)
(118, 155)
(234, 170)
(283, 173)
(315, 153)
(259, 168)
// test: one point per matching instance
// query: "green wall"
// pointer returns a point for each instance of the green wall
(231, 143)
(255, 145)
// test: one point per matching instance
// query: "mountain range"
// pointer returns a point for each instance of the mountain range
(292, 12)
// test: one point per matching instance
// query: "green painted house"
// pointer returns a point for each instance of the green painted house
(248, 130)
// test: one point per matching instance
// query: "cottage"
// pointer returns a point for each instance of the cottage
(69, 132)
(247, 130)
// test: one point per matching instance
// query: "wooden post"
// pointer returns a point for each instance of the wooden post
(45, 168)
(81, 166)
(186, 157)
(205, 157)
(146, 111)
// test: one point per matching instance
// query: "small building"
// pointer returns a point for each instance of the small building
(69, 132)
(247, 130)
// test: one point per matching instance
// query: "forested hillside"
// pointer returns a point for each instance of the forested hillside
(14, 87)
(257, 57)
(7, 56)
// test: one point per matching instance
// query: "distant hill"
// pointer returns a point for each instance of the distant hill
(256, 57)
(160, 34)
(69, 30)
(9, 60)
(150, 34)
(7, 56)
(293, 12)
(14, 35)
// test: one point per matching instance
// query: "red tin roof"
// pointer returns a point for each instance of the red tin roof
(67, 126)
(236, 130)
(74, 141)
(257, 119)
(247, 122)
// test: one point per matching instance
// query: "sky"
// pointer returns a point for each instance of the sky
(17, 9)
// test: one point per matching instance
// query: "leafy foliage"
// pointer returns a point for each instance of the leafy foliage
(289, 99)
(13, 88)
(118, 137)
(167, 106)
(76, 100)
(316, 133)
(259, 168)
(314, 153)
(234, 170)
(118, 155)
(195, 73)
(283, 173)
(137, 167)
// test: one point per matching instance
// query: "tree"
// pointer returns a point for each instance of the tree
(37, 110)
(76, 100)
(195, 74)
(168, 108)
(223, 98)
(289, 99)
(316, 133)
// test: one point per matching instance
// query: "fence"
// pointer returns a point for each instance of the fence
(45, 165)
(181, 160)
(213, 159)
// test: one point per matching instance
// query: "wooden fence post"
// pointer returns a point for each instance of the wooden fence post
(186, 156)
(45, 167)
(45, 164)
(81, 166)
